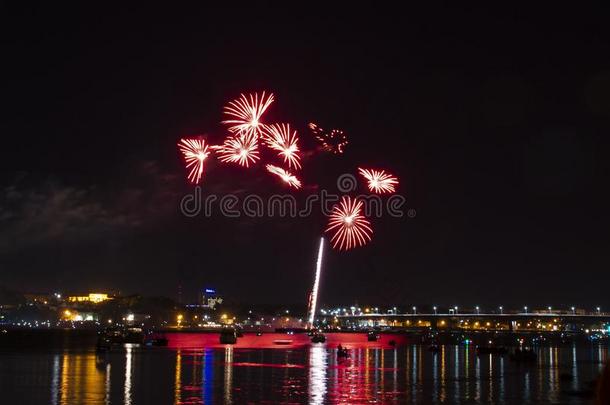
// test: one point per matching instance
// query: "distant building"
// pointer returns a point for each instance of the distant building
(78, 316)
(208, 298)
(135, 318)
(94, 298)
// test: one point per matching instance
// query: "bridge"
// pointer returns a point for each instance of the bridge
(520, 321)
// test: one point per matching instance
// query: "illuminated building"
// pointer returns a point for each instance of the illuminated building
(77, 316)
(94, 298)
(209, 299)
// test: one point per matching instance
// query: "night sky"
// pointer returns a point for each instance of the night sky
(496, 121)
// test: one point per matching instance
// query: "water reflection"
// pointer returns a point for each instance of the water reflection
(228, 386)
(75, 378)
(456, 373)
(178, 377)
(207, 375)
(55, 379)
(317, 374)
(407, 374)
(107, 383)
(477, 379)
(128, 369)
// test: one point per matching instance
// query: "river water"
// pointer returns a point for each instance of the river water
(196, 369)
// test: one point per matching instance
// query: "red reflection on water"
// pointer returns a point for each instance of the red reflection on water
(366, 376)
(279, 340)
(274, 365)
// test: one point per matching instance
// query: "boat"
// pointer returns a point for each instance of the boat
(228, 337)
(318, 338)
(117, 336)
(372, 336)
(282, 342)
(342, 353)
(156, 340)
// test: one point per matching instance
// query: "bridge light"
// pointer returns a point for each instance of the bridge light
(573, 311)
(477, 308)
(434, 309)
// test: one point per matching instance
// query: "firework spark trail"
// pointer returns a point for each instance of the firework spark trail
(246, 112)
(288, 177)
(333, 141)
(241, 149)
(316, 284)
(195, 152)
(351, 228)
(280, 138)
(379, 180)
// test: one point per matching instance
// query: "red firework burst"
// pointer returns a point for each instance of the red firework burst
(350, 227)
(280, 138)
(333, 141)
(195, 152)
(246, 112)
(241, 149)
(379, 180)
(288, 177)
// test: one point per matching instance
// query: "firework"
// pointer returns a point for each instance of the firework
(241, 149)
(289, 178)
(195, 152)
(350, 227)
(379, 180)
(246, 112)
(316, 285)
(333, 141)
(279, 137)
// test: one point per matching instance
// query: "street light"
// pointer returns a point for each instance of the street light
(434, 309)
(525, 308)
(550, 309)
(599, 310)
(573, 311)
(456, 309)
(501, 310)
(477, 308)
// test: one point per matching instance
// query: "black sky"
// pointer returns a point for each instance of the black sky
(496, 121)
